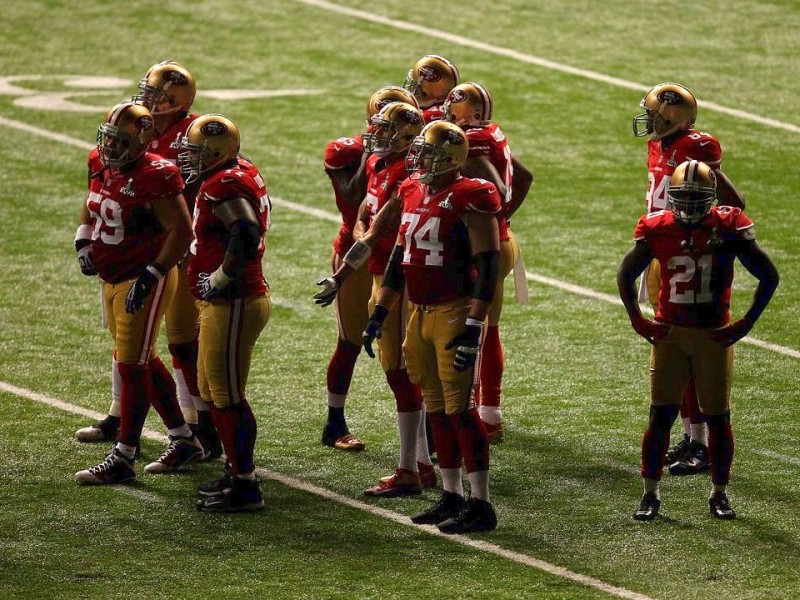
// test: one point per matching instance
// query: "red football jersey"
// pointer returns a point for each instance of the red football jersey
(211, 236)
(168, 146)
(127, 236)
(663, 160)
(695, 289)
(384, 175)
(437, 257)
(344, 153)
(434, 112)
(491, 142)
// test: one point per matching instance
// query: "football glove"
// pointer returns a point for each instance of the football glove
(373, 329)
(330, 287)
(649, 329)
(212, 285)
(84, 248)
(141, 288)
(729, 334)
(467, 345)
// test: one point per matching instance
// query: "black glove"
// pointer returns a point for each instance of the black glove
(142, 287)
(212, 285)
(84, 249)
(467, 344)
(373, 329)
(328, 294)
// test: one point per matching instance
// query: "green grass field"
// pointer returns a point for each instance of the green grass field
(566, 79)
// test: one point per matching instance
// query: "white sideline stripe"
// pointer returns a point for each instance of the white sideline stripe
(781, 457)
(137, 493)
(533, 60)
(356, 504)
(333, 218)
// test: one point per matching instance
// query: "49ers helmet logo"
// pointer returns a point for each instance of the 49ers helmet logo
(429, 74)
(453, 136)
(457, 96)
(409, 116)
(213, 128)
(145, 122)
(670, 97)
(176, 78)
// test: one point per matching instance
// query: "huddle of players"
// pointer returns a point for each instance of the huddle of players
(418, 265)
(155, 162)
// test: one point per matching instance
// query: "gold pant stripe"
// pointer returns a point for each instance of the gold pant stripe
(155, 311)
(234, 335)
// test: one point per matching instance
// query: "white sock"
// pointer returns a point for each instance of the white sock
(408, 426)
(451, 481)
(336, 400)
(116, 390)
(490, 414)
(182, 431)
(199, 404)
(128, 452)
(250, 476)
(687, 426)
(651, 485)
(185, 398)
(423, 452)
(479, 485)
(699, 433)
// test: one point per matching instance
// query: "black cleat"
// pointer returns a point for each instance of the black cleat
(244, 495)
(679, 451)
(212, 489)
(209, 438)
(449, 506)
(696, 462)
(648, 507)
(720, 506)
(104, 431)
(478, 515)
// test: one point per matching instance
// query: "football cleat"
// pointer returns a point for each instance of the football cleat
(696, 462)
(402, 483)
(181, 451)
(495, 433)
(679, 451)
(477, 515)
(104, 431)
(427, 475)
(341, 439)
(450, 505)
(720, 506)
(648, 507)
(209, 439)
(116, 468)
(244, 495)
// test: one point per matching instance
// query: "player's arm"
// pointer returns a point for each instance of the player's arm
(391, 288)
(351, 185)
(362, 220)
(727, 193)
(633, 265)
(756, 261)
(83, 241)
(521, 183)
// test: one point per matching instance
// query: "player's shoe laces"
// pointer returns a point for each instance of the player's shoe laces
(495, 433)
(402, 483)
(678, 452)
(116, 468)
(450, 505)
(341, 439)
(104, 431)
(648, 507)
(217, 487)
(478, 515)
(696, 462)
(720, 506)
(181, 451)
(244, 495)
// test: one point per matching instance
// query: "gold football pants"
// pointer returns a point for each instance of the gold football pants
(352, 302)
(181, 317)
(509, 253)
(393, 332)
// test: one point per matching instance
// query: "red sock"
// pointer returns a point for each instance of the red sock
(491, 367)
(655, 441)
(134, 402)
(406, 394)
(472, 440)
(184, 357)
(446, 438)
(237, 431)
(720, 448)
(163, 395)
(341, 365)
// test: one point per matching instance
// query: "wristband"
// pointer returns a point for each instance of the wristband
(358, 254)
(156, 270)
(83, 236)
(379, 313)
(471, 322)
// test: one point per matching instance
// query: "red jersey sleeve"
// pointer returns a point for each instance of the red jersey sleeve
(343, 152)
(483, 198)
(706, 149)
(160, 178)
(479, 142)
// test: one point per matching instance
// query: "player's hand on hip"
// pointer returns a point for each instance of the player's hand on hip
(649, 329)
(729, 334)
(467, 344)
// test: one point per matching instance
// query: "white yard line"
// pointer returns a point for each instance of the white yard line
(779, 457)
(350, 502)
(532, 60)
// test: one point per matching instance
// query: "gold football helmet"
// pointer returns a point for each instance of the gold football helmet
(167, 88)
(669, 107)
(394, 128)
(468, 105)
(385, 95)
(431, 78)
(125, 134)
(209, 142)
(441, 148)
(691, 192)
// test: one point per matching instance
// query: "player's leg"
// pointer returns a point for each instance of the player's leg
(228, 334)
(351, 315)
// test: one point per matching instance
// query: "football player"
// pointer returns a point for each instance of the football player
(345, 165)
(448, 229)
(469, 105)
(394, 128)
(134, 229)
(670, 110)
(231, 217)
(168, 91)
(695, 244)
(430, 80)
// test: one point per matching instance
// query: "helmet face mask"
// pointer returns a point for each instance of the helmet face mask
(125, 135)
(668, 108)
(468, 105)
(431, 78)
(691, 192)
(440, 148)
(393, 129)
(167, 88)
(209, 142)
